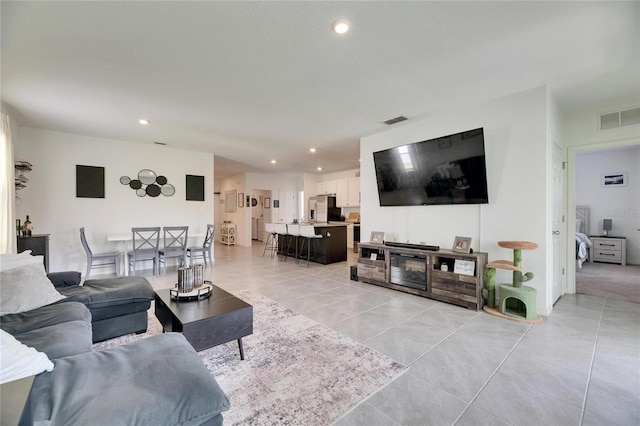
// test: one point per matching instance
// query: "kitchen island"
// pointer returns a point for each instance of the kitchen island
(331, 248)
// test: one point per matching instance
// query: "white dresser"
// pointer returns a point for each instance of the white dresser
(609, 249)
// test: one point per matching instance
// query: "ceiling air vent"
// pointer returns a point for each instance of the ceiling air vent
(395, 120)
(627, 117)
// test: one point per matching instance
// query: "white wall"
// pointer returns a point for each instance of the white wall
(50, 197)
(621, 204)
(515, 129)
(580, 128)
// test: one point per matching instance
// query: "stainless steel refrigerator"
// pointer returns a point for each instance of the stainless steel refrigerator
(323, 209)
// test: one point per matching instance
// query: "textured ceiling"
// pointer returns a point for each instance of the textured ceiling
(256, 81)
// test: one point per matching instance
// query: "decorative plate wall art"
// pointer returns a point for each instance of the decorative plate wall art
(148, 183)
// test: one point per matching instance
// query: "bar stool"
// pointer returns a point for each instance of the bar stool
(272, 239)
(281, 231)
(293, 229)
(309, 232)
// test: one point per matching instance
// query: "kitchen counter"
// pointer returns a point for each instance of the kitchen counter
(331, 248)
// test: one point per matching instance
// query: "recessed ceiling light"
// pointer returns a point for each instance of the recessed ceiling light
(341, 26)
(312, 150)
(273, 161)
(143, 121)
(319, 169)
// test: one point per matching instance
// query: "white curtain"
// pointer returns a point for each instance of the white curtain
(7, 190)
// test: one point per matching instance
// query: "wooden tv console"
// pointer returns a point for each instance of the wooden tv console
(420, 272)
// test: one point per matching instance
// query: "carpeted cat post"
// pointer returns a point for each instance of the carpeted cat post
(489, 290)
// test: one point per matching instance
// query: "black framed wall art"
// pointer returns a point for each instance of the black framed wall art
(89, 181)
(195, 188)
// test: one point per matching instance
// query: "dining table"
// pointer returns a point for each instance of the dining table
(126, 239)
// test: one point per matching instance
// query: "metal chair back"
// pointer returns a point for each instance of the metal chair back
(99, 260)
(145, 242)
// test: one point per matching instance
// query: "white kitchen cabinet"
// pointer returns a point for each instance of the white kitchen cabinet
(350, 236)
(348, 194)
(326, 187)
(353, 190)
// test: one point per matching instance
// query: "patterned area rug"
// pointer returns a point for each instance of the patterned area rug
(295, 372)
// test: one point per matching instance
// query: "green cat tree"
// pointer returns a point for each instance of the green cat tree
(516, 300)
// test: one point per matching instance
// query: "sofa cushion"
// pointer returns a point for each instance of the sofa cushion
(156, 380)
(18, 361)
(45, 317)
(25, 287)
(110, 292)
(60, 340)
(65, 278)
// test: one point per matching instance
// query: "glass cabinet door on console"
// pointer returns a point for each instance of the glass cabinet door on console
(408, 269)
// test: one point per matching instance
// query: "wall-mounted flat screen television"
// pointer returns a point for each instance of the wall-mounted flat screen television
(446, 170)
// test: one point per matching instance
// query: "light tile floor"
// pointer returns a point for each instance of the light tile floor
(581, 366)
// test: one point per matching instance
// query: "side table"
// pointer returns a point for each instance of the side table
(38, 244)
(609, 249)
(228, 234)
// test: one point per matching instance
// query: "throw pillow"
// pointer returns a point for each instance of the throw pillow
(18, 360)
(12, 261)
(24, 288)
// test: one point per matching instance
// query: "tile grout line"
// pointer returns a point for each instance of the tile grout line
(442, 340)
(492, 375)
(593, 357)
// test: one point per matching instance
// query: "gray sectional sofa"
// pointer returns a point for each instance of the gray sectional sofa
(156, 380)
(118, 305)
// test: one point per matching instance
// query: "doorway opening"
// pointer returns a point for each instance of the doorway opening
(589, 164)
(260, 201)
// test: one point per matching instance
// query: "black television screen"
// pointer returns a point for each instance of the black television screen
(446, 170)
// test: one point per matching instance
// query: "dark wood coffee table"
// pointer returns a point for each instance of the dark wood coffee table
(208, 322)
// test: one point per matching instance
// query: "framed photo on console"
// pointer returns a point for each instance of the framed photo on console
(462, 245)
(377, 237)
